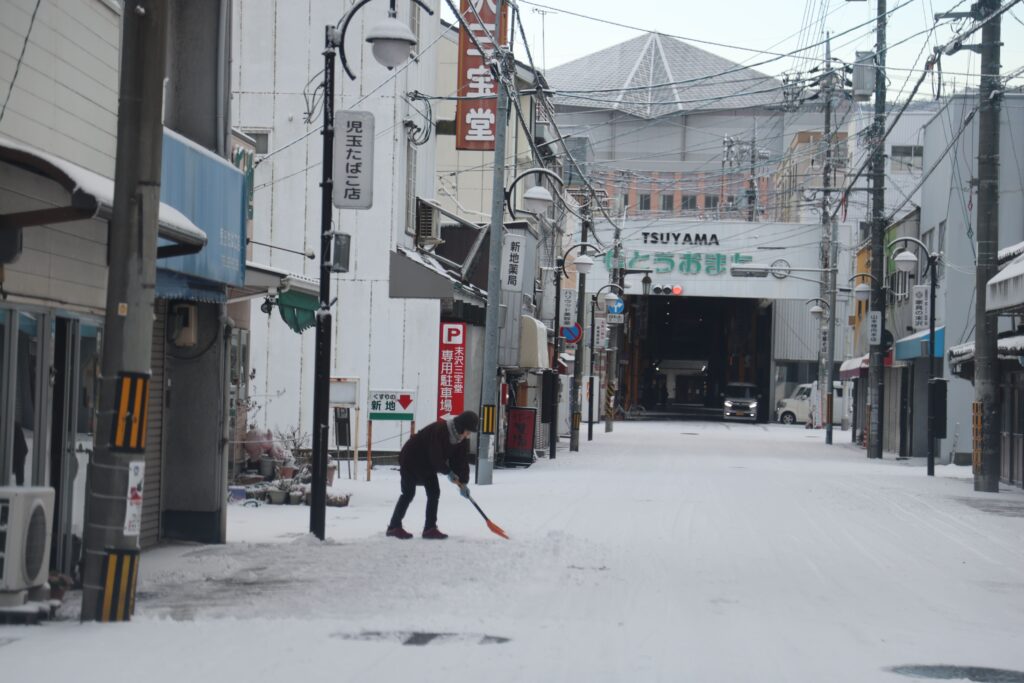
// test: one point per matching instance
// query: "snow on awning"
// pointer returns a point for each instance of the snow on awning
(1007, 348)
(92, 195)
(1005, 292)
(416, 275)
(852, 368)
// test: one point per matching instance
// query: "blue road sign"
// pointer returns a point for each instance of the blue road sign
(617, 306)
(572, 333)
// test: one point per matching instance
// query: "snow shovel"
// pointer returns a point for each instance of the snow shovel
(490, 525)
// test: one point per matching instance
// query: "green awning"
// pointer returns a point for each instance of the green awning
(298, 309)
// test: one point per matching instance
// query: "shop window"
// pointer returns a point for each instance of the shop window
(710, 202)
(667, 202)
(644, 202)
(29, 327)
(689, 203)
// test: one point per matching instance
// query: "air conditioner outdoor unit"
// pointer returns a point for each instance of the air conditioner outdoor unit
(428, 224)
(26, 518)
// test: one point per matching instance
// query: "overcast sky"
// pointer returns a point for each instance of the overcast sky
(557, 37)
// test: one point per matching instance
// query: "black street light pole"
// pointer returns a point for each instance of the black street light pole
(322, 357)
(906, 262)
(392, 44)
(593, 335)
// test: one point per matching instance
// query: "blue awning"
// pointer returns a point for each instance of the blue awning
(916, 345)
(181, 287)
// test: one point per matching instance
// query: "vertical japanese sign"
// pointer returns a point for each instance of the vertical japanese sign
(922, 306)
(475, 117)
(451, 370)
(512, 263)
(519, 439)
(600, 333)
(353, 159)
(568, 311)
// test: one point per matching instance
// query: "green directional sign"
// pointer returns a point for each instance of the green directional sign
(397, 404)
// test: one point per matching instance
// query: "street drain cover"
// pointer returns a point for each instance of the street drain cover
(945, 672)
(422, 637)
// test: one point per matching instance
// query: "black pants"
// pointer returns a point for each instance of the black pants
(409, 483)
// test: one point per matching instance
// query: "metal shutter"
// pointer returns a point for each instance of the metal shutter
(154, 433)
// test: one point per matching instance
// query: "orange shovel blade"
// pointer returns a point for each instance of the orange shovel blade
(496, 529)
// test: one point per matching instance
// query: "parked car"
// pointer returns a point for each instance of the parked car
(739, 401)
(797, 408)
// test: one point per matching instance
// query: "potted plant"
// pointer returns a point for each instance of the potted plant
(278, 493)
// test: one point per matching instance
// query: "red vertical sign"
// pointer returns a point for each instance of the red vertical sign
(451, 370)
(475, 118)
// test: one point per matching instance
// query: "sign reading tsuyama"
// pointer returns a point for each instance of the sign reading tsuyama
(392, 405)
(451, 370)
(476, 117)
(353, 159)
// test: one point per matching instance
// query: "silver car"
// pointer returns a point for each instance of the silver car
(739, 401)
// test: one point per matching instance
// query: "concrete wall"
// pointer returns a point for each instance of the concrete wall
(277, 51)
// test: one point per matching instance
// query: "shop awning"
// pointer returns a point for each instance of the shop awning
(1005, 292)
(916, 345)
(1007, 348)
(296, 296)
(298, 309)
(852, 368)
(180, 287)
(416, 275)
(92, 196)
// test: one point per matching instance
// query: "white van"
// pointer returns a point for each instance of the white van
(797, 408)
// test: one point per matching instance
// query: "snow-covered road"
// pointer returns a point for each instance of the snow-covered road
(665, 551)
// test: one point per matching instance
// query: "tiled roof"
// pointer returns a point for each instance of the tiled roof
(653, 75)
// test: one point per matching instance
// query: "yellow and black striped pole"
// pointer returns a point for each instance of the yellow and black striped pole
(120, 574)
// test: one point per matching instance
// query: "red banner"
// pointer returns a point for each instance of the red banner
(451, 370)
(475, 118)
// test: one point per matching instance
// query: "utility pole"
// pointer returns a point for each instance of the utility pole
(987, 456)
(828, 250)
(612, 371)
(489, 388)
(581, 319)
(876, 371)
(111, 538)
(752, 191)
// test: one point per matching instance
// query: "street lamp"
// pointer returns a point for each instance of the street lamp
(906, 262)
(609, 298)
(583, 265)
(391, 42)
(821, 310)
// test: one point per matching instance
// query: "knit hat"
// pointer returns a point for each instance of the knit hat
(466, 422)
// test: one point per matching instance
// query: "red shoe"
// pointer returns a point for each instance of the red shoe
(434, 533)
(399, 532)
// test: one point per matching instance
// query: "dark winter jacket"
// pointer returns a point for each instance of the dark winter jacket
(430, 452)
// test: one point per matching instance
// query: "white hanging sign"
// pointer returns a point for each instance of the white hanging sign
(353, 159)
(922, 305)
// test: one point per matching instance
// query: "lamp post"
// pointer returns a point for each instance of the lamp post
(906, 262)
(537, 200)
(392, 43)
(608, 299)
(583, 265)
(823, 310)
